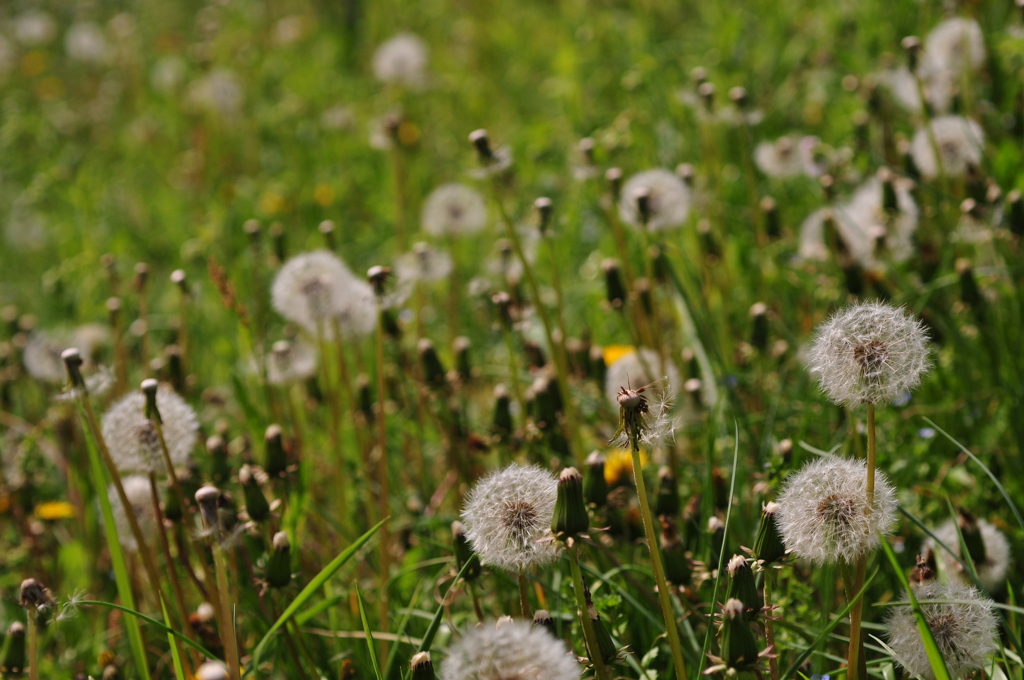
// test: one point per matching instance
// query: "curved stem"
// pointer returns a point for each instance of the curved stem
(588, 626)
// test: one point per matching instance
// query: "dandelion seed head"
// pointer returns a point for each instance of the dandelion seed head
(218, 92)
(86, 42)
(140, 500)
(424, 264)
(965, 632)
(991, 573)
(290, 362)
(516, 650)
(823, 514)
(959, 140)
(668, 200)
(315, 289)
(631, 370)
(401, 60)
(34, 28)
(954, 46)
(507, 516)
(132, 438)
(780, 158)
(870, 353)
(454, 210)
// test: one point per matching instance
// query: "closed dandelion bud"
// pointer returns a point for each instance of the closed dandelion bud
(666, 502)
(73, 363)
(482, 143)
(501, 424)
(276, 232)
(464, 552)
(175, 367)
(972, 536)
(421, 666)
(462, 364)
(543, 619)
(595, 486)
(615, 288)
(706, 92)
(251, 227)
(677, 565)
(35, 597)
(276, 462)
(642, 287)
(256, 505)
(326, 228)
(738, 647)
(912, 46)
(743, 587)
(544, 208)
(768, 546)
(433, 370)
(687, 173)
(365, 397)
(759, 326)
(605, 645)
(503, 307)
(141, 276)
(716, 536)
(570, 517)
(1015, 209)
(614, 178)
(598, 367)
(279, 563)
(212, 670)
(220, 468)
(547, 402)
(969, 291)
(739, 96)
(112, 672)
(708, 240)
(923, 571)
(579, 356)
(149, 388)
(208, 497)
(770, 212)
(12, 658)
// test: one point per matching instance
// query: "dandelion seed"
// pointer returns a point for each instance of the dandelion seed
(959, 140)
(965, 632)
(132, 438)
(823, 513)
(508, 514)
(991, 572)
(667, 200)
(517, 650)
(454, 210)
(140, 500)
(869, 353)
(401, 60)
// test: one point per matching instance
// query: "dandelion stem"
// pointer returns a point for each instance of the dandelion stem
(588, 626)
(179, 597)
(228, 617)
(769, 624)
(871, 457)
(671, 628)
(33, 646)
(524, 598)
(476, 603)
(382, 476)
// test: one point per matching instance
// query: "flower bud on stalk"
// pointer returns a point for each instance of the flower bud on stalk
(772, 225)
(464, 553)
(759, 326)
(501, 423)
(666, 502)
(605, 645)
(542, 618)
(433, 369)
(743, 587)
(736, 641)
(421, 666)
(463, 367)
(256, 505)
(768, 546)
(276, 462)
(279, 563)
(570, 518)
(595, 486)
(614, 285)
(677, 565)
(12, 658)
(207, 497)
(220, 468)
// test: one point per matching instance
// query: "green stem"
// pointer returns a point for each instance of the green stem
(228, 620)
(524, 598)
(671, 628)
(33, 646)
(588, 626)
(769, 624)
(382, 479)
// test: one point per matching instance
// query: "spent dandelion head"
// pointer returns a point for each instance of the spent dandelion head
(316, 289)
(424, 264)
(402, 60)
(454, 210)
(991, 565)
(133, 440)
(290, 361)
(959, 140)
(514, 650)
(964, 627)
(655, 199)
(140, 501)
(870, 353)
(954, 46)
(780, 158)
(508, 515)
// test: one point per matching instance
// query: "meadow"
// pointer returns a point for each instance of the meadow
(511, 340)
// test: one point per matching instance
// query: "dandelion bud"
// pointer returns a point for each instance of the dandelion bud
(141, 276)
(73, 363)
(586, 147)
(112, 672)
(598, 367)
(171, 505)
(687, 173)
(547, 402)
(213, 670)
(768, 546)
(327, 229)
(503, 305)
(642, 197)
(276, 232)
(1015, 209)
(912, 46)
(614, 178)
(12, 658)
(252, 229)
(642, 288)
(923, 572)
(543, 619)
(971, 533)
(544, 208)
(149, 388)
(35, 596)
(208, 497)
(772, 225)
(482, 142)
(579, 356)
(433, 370)
(421, 666)
(501, 423)
(175, 367)
(256, 505)
(677, 565)
(276, 462)
(759, 326)
(463, 368)
(113, 306)
(738, 95)
(595, 486)
(605, 646)
(738, 647)
(716, 537)
(365, 396)
(464, 553)
(970, 294)
(570, 517)
(743, 587)
(220, 468)
(378, 277)
(279, 563)
(706, 91)
(614, 286)
(666, 501)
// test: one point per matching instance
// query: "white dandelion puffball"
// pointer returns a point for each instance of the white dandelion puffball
(507, 516)
(290, 362)
(42, 359)
(631, 371)
(401, 60)
(864, 212)
(869, 353)
(34, 28)
(668, 200)
(823, 510)
(954, 46)
(991, 573)
(959, 140)
(132, 438)
(136, 488)
(85, 42)
(515, 650)
(966, 632)
(424, 264)
(780, 158)
(219, 92)
(314, 289)
(454, 210)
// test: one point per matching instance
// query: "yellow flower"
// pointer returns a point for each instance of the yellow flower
(618, 467)
(54, 510)
(613, 353)
(323, 194)
(272, 203)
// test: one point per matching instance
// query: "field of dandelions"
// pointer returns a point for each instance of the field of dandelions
(508, 340)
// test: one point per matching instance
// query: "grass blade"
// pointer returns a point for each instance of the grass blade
(313, 586)
(938, 664)
(179, 670)
(153, 622)
(401, 627)
(435, 623)
(369, 637)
